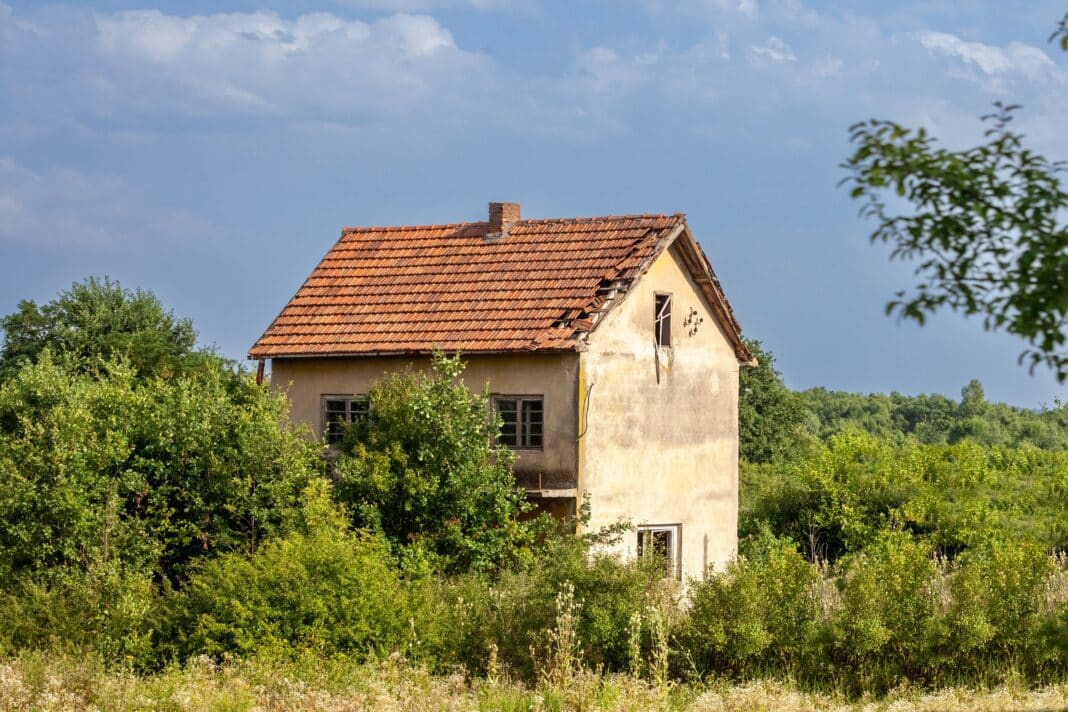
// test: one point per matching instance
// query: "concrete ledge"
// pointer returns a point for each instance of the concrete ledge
(545, 493)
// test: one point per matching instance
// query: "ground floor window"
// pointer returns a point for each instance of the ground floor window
(662, 543)
(339, 411)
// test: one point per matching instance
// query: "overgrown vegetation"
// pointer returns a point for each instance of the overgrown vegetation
(169, 520)
(422, 470)
(837, 498)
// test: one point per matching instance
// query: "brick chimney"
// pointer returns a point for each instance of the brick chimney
(501, 217)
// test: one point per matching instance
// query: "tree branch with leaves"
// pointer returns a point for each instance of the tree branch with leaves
(986, 227)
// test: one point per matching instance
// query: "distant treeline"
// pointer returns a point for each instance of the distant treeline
(776, 422)
(936, 419)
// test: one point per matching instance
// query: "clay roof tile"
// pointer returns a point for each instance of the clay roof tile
(410, 289)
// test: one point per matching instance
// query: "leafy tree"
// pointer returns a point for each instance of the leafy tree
(1061, 33)
(771, 417)
(834, 411)
(94, 321)
(986, 225)
(152, 473)
(423, 470)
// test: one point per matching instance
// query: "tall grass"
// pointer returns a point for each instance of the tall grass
(33, 681)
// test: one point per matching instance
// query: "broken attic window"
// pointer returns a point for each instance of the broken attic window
(662, 323)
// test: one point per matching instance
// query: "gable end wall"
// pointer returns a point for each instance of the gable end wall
(667, 452)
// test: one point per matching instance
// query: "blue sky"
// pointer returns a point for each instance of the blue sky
(211, 151)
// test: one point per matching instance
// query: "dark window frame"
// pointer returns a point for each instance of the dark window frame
(672, 556)
(355, 407)
(662, 319)
(523, 435)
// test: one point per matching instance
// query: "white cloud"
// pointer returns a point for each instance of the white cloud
(995, 64)
(749, 8)
(11, 210)
(795, 12)
(11, 27)
(415, 35)
(827, 67)
(317, 65)
(775, 50)
(61, 205)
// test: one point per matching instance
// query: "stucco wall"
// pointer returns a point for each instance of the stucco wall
(667, 452)
(555, 376)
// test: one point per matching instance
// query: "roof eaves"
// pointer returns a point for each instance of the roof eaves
(417, 352)
(270, 326)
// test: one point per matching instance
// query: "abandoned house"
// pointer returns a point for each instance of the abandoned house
(610, 350)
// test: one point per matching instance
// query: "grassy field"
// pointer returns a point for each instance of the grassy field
(39, 682)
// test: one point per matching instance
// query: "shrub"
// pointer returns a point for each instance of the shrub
(422, 470)
(154, 473)
(889, 612)
(837, 499)
(514, 612)
(107, 610)
(760, 615)
(323, 588)
(1000, 609)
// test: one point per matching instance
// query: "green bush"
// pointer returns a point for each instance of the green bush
(609, 593)
(1000, 609)
(760, 615)
(513, 612)
(323, 588)
(838, 498)
(889, 614)
(108, 610)
(422, 469)
(153, 472)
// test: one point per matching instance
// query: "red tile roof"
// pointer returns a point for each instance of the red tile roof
(542, 286)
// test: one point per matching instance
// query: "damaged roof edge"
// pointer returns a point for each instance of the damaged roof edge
(702, 273)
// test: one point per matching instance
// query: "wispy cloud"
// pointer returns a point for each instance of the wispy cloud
(520, 6)
(608, 71)
(66, 206)
(996, 66)
(774, 50)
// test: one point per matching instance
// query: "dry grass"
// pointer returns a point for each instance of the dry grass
(36, 682)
